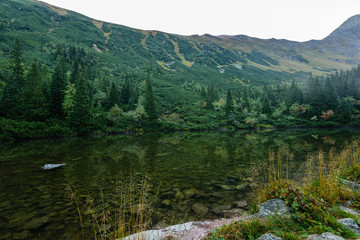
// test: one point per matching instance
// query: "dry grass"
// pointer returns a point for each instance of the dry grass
(127, 211)
(322, 173)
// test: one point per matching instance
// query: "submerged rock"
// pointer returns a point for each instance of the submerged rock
(240, 204)
(189, 193)
(52, 166)
(220, 210)
(22, 235)
(269, 236)
(235, 212)
(166, 202)
(179, 195)
(242, 186)
(349, 223)
(200, 209)
(36, 223)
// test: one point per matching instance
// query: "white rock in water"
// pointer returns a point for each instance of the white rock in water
(51, 166)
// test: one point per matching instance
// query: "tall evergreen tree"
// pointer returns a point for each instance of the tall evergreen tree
(331, 95)
(57, 89)
(126, 91)
(150, 107)
(113, 97)
(229, 106)
(34, 105)
(80, 117)
(11, 97)
(316, 97)
(344, 111)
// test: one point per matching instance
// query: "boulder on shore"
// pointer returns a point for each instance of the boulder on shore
(349, 223)
(272, 207)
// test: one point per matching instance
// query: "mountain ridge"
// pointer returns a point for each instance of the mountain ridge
(230, 59)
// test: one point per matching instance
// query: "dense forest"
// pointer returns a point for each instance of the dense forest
(74, 97)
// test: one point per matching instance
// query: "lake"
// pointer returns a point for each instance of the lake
(211, 168)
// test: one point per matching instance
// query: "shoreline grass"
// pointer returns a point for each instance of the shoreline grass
(314, 201)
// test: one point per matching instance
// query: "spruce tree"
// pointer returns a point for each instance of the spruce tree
(229, 106)
(316, 97)
(80, 117)
(150, 107)
(33, 101)
(126, 91)
(331, 95)
(57, 89)
(112, 98)
(12, 93)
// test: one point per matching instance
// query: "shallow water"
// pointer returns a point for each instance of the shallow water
(206, 167)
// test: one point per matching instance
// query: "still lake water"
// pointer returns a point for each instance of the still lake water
(206, 167)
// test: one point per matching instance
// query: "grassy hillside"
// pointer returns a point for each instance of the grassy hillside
(222, 61)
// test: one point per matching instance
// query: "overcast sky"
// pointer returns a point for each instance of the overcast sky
(298, 20)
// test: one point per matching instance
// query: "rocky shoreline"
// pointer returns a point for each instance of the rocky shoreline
(201, 229)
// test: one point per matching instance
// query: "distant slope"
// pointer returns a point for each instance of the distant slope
(219, 60)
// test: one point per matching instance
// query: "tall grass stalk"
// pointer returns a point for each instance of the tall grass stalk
(125, 211)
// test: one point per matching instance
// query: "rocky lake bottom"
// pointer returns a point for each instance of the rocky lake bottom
(193, 176)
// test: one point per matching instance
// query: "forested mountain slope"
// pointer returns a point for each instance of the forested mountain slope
(218, 60)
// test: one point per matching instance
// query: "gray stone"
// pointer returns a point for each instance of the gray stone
(220, 210)
(324, 236)
(350, 224)
(272, 207)
(269, 236)
(52, 166)
(349, 210)
(351, 185)
(22, 235)
(36, 223)
(242, 186)
(200, 209)
(240, 204)
(189, 193)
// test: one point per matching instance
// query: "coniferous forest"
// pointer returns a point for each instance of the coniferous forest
(74, 96)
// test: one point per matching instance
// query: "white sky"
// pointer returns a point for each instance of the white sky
(298, 20)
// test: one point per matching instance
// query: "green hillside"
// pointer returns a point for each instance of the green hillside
(222, 61)
(192, 78)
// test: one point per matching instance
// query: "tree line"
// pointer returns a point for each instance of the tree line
(76, 98)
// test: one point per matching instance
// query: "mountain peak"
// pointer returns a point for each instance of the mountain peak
(350, 29)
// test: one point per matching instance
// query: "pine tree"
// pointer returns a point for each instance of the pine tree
(229, 106)
(11, 97)
(150, 107)
(126, 91)
(80, 117)
(57, 89)
(316, 97)
(331, 95)
(33, 101)
(112, 98)
(74, 73)
(344, 111)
